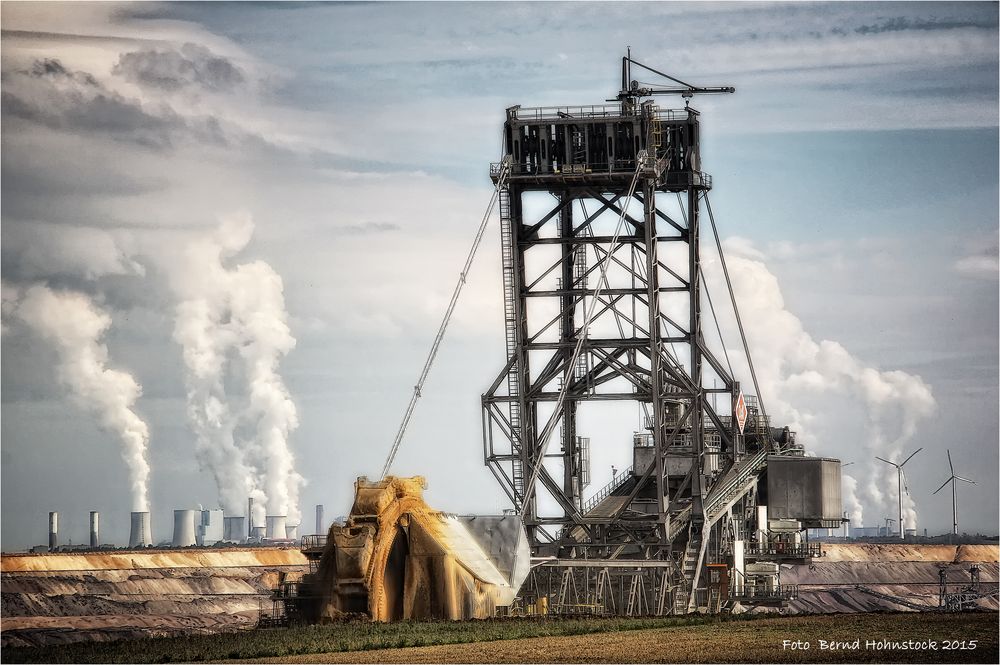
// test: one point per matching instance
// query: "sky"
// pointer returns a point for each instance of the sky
(320, 170)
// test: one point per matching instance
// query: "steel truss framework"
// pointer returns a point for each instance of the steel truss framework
(637, 352)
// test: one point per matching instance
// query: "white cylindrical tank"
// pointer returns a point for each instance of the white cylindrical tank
(292, 532)
(140, 534)
(53, 530)
(184, 531)
(233, 529)
(275, 526)
(95, 528)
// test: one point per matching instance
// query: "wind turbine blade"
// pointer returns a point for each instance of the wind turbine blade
(911, 456)
(949, 463)
(903, 476)
(965, 479)
(885, 460)
(942, 485)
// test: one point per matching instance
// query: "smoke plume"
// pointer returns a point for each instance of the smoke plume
(232, 325)
(795, 369)
(75, 325)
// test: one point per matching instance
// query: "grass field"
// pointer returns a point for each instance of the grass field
(681, 639)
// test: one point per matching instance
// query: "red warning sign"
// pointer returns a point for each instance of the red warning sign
(741, 411)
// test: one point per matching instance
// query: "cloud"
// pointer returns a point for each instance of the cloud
(51, 95)
(33, 250)
(191, 65)
(985, 265)
(365, 228)
(802, 378)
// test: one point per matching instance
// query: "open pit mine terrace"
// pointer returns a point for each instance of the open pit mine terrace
(61, 598)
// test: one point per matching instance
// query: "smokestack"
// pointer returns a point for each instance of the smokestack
(319, 518)
(140, 534)
(53, 531)
(184, 534)
(233, 529)
(95, 529)
(275, 526)
(250, 518)
(292, 532)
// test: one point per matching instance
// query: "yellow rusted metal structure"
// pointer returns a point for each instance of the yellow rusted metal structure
(396, 558)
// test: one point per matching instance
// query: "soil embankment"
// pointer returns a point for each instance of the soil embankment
(910, 573)
(61, 598)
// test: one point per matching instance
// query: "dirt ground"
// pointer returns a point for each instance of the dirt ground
(761, 641)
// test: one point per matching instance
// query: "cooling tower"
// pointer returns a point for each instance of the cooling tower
(275, 526)
(184, 533)
(53, 531)
(257, 533)
(140, 534)
(319, 518)
(292, 532)
(95, 529)
(233, 529)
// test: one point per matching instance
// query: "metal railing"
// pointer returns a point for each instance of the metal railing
(591, 111)
(314, 542)
(763, 592)
(718, 498)
(789, 550)
(606, 491)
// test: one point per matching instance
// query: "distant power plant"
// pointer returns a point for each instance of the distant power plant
(191, 528)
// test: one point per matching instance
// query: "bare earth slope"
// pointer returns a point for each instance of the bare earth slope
(61, 598)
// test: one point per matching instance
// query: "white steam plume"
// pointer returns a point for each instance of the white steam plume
(74, 325)
(792, 367)
(228, 315)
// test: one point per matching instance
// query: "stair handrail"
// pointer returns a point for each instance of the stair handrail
(606, 491)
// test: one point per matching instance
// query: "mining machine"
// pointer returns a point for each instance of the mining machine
(601, 215)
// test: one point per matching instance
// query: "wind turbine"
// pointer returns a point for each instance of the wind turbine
(954, 494)
(902, 485)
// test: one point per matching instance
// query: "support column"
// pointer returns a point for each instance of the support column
(656, 377)
(567, 333)
(694, 330)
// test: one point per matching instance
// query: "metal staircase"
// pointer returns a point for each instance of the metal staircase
(727, 492)
(510, 327)
(694, 553)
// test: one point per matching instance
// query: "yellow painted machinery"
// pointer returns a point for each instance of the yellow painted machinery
(396, 558)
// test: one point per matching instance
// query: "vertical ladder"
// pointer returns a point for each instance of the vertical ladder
(715, 600)
(507, 250)
(637, 604)
(604, 584)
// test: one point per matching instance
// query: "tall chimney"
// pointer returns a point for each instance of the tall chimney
(95, 529)
(250, 518)
(140, 534)
(275, 526)
(53, 531)
(184, 533)
(319, 518)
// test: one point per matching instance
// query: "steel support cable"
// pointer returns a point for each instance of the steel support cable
(550, 426)
(736, 309)
(715, 317)
(501, 182)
